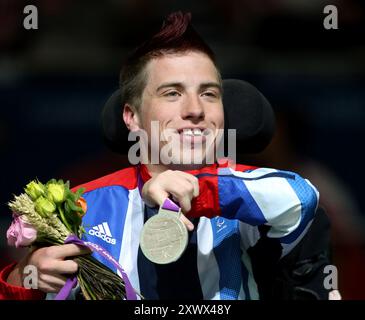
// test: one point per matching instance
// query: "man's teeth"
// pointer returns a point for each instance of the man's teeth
(194, 132)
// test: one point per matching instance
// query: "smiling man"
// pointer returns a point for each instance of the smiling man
(183, 95)
(173, 79)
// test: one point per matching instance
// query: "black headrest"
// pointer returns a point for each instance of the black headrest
(245, 109)
(250, 113)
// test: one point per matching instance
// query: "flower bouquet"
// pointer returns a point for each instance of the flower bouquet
(51, 214)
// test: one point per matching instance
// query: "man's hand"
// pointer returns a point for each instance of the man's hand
(182, 186)
(52, 266)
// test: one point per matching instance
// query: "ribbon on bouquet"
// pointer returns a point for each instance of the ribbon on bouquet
(71, 282)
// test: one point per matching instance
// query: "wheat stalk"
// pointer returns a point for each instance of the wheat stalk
(47, 227)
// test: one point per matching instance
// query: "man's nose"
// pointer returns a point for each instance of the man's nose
(193, 109)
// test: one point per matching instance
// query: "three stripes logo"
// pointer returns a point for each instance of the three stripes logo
(102, 231)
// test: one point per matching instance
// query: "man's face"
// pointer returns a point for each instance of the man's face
(183, 94)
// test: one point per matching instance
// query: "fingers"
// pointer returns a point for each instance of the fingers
(193, 180)
(187, 222)
(53, 259)
(53, 266)
(184, 202)
(181, 185)
(47, 288)
(182, 192)
(67, 250)
(154, 195)
(52, 281)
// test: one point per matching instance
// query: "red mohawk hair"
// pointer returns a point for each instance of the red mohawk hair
(176, 35)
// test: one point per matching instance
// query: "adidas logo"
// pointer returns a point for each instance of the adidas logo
(102, 231)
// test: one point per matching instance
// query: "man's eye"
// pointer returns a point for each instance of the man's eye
(210, 94)
(172, 94)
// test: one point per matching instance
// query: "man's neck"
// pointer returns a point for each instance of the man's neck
(155, 169)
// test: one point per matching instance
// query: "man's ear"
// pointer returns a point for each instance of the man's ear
(131, 118)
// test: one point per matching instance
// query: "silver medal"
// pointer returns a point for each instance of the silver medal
(164, 237)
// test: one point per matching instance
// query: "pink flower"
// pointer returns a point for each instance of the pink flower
(20, 233)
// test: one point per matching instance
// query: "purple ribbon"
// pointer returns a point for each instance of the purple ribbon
(170, 205)
(71, 282)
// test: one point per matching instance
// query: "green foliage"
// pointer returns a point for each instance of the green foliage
(58, 195)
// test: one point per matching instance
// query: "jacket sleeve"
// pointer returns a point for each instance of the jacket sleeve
(282, 200)
(10, 292)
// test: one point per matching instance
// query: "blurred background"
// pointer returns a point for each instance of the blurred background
(55, 80)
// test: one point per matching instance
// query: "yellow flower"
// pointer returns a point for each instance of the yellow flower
(44, 207)
(56, 192)
(34, 190)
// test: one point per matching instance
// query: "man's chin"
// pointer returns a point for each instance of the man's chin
(189, 164)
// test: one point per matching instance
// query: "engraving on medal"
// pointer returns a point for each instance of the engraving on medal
(164, 237)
